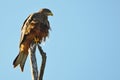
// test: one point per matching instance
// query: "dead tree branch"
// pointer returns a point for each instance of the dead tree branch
(34, 68)
(43, 54)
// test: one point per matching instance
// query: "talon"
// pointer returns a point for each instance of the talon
(36, 40)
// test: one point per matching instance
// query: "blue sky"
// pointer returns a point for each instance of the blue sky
(84, 43)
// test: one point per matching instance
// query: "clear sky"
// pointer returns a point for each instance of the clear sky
(84, 43)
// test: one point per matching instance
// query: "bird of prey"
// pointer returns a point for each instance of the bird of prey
(35, 29)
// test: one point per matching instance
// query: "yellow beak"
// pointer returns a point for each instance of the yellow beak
(50, 14)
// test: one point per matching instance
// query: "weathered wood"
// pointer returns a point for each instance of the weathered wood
(34, 68)
(33, 61)
(42, 68)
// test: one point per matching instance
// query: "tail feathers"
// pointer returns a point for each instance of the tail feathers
(20, 59)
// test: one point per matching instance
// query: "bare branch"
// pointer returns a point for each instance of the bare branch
(43, 54)
(34, 69)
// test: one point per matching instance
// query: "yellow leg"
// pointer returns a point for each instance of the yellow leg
(36, 40)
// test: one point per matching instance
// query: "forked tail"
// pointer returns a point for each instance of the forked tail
(20, 59)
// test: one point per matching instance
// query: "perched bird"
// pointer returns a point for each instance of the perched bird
(35, 29)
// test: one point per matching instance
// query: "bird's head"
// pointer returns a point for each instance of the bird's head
(46, 12)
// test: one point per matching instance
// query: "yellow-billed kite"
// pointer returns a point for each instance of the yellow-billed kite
(35, 29)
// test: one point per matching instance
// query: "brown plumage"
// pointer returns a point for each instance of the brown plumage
(35, 29)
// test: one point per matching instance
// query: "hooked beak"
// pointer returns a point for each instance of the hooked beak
(50, 14)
